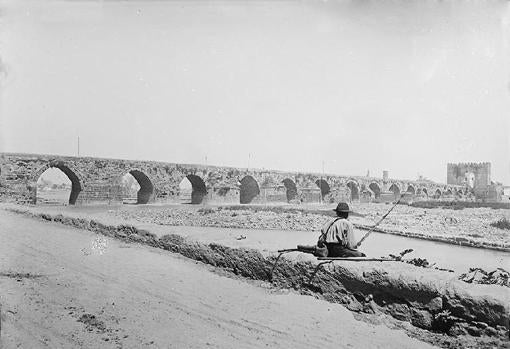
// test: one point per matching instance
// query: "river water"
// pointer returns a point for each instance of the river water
(458, 258)
(447, 256)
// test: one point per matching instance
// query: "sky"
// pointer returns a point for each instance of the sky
(349, 86)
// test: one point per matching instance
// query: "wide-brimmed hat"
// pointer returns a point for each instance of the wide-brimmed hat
(342, 207)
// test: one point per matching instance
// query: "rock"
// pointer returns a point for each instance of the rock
(474, 304)
(435, 305)
(458, 310)
(421, 318)
(352, 304)
(400, 312)
(502, 331)
(479, 324)
(474, 331)
(491, 332)
(370, 307)
(470, 317)
(457, 329)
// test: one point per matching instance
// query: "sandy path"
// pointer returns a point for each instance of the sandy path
(134, 296)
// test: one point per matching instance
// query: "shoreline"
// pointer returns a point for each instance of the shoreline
(446, 240)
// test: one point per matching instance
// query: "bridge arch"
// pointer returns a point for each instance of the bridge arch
(395, 189)
(422, 192)
(197, 187)
(376, 189)
(323, 186)
(248, 190)
(437, 193)
(146, 191)
(291, 189)
(354, 188)
(411, 189)
(68, 170)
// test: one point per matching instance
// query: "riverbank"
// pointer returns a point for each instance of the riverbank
(64, 287)
(427, 299)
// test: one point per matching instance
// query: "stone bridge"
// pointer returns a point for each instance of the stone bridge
(98, 180)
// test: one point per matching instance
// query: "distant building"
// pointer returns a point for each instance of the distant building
(476, 177)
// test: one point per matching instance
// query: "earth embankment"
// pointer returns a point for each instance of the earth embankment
(62, 287)
(428, 299)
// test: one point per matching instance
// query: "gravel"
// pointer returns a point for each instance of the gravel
(471, 226)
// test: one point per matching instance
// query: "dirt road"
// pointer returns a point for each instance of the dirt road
(64, 287)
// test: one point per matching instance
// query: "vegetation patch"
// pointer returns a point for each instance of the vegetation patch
(503, 223)
(479, 276)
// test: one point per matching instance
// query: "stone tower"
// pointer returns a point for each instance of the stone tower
(476, 176)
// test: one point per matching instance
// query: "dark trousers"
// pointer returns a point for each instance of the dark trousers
(337, 250)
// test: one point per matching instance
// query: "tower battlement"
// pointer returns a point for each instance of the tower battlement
(476, 175)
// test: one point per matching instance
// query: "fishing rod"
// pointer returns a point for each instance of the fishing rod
(380, 220)
(312, 249)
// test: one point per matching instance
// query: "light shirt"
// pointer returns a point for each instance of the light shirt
(342, 231)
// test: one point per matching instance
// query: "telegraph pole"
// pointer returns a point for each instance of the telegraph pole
(322, 198)
(78, 145)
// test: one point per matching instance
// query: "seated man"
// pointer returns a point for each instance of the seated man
(338, 235)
